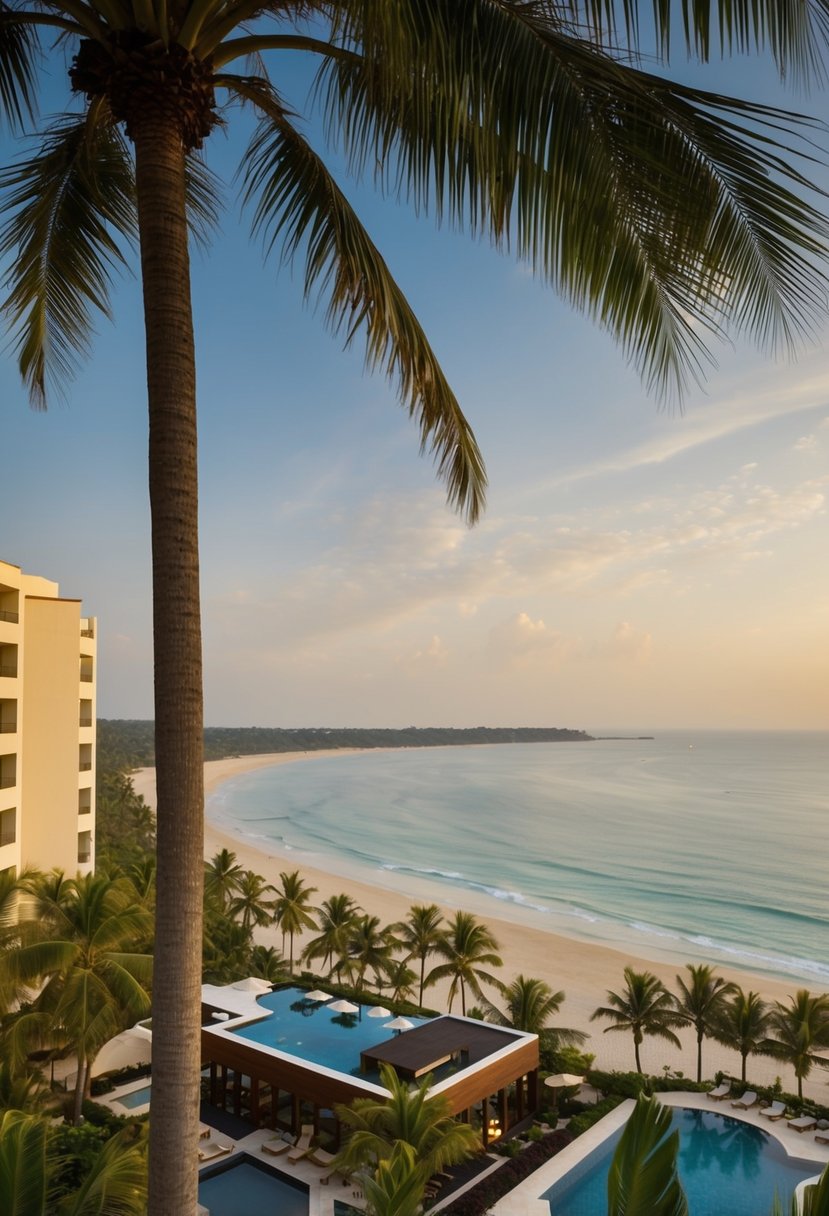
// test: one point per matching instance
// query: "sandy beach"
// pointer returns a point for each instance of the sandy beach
(585, 971)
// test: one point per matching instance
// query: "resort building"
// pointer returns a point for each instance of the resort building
(281, 1059)
(47, 727)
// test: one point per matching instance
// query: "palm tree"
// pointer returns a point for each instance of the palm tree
(337, 917)
(468, 946)
(292, 909)
(85, 950)
(369, 945)
(644, 1007)
(267, 964)
(530, 1004)
(800, 1033)
(643, 1179)
(400, 980)
(251, 902)
(222, 875)
(701, 1001)
(514, 118)
(409, 1115)
(813, 1202)
(31, 1184)
(743, 1023)
(419, 934)
(398, 1184)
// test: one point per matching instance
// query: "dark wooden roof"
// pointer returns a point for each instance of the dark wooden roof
(416, 1052)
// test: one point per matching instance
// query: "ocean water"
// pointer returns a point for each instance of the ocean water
(694, 845)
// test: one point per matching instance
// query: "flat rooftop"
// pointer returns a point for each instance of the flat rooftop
(426, 1048)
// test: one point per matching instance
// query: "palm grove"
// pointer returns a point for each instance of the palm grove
(665, 212)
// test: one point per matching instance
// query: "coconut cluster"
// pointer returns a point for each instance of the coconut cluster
(140, 76)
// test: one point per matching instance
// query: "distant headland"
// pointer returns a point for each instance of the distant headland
(130, 742)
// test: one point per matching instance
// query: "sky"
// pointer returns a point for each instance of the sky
(639, 567)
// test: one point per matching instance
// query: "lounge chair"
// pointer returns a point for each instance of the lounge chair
(777, 1110)
(821, 1138)
(303, 1145)
(748, 1099)
(803, 1123)
(214, 1148)
(278, 1145)
(320, 1156)
(722, 1091)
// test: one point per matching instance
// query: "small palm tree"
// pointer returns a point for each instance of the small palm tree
(643, 1179)
(800, 1033)
(400, 980)
(114, 1184)
(267, 964)
(743, 1023)
(410, 1115)
(468, 947)
(337, 917)
(88, 928)
(369, 945)
(644, 1007)
(292, 910)
(250, 902)
(396, 1188)
(420, 934)
(701, 1001)
(221, 878)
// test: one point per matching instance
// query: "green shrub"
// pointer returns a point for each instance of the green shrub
(480, 1198)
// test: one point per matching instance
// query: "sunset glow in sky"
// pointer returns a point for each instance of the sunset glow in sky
(638, 567)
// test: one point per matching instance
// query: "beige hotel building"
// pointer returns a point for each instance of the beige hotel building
(47, 727)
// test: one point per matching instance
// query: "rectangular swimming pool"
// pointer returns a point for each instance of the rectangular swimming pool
(138, 1097)
(243, 1186)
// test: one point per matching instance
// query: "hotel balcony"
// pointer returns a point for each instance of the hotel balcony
(86, 672)
(85, 801)
(8, 826)
(8, 662)
(84, 848)
(9, 614)
(8, 721)
(85, 758)
(87, 627)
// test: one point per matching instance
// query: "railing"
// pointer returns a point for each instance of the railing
(85, 766)
(86, 677)
(6, 615)
(85, 810)
(6, 784)
(8, 669)
(83, 858)
(8, 728)
(84, 722)
(87, 633)
(8, 837)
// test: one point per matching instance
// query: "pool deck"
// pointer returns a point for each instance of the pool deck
(524, 1199)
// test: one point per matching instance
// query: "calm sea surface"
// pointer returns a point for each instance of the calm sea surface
(692, 845)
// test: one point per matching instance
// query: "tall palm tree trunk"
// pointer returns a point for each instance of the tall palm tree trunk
(171, 381)
(80, 1083)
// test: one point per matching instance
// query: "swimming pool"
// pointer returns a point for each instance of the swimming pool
(727, 1167)
(138, 1097)
(311, 1031)
(243, 1186)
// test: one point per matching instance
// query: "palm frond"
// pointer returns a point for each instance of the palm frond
(116, 1182)
(65, 201)
(298, 204)
(795, 33)
(643, 1180)
(18, 50)
(204, 200)
(668, 214)
(24, 1170)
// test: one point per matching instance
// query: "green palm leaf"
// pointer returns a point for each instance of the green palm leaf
(643, 1179)
(662, 211)
(65, 200)
(298, 203)
(18, 48)
(24, 1172)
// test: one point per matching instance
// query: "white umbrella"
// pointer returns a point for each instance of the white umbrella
(134, 1046)
(316, 995)
(562, 1080)
(399, 1024)
(379, 1012)
(252, 984)
(344, 1007)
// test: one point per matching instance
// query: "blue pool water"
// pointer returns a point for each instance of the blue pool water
(727, 1168)
(244, 1186)
(313, 1032)
(138, 1097)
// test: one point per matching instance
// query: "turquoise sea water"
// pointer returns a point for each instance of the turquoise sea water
(693, 845)
(727, 1168)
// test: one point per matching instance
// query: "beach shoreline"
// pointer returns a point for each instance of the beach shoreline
(585, 970)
